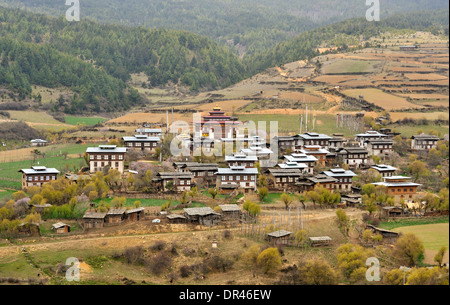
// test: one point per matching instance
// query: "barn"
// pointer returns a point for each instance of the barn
(280, 237)
(203, 216)
(93, 220)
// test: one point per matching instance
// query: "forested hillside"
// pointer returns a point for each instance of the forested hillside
(96, 60)
(250, 26)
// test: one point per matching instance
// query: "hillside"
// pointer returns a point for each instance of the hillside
(103, 57)
(249, 26)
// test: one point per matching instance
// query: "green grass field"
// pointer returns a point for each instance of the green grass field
(350, 66)
(88, 121)
(433, 236)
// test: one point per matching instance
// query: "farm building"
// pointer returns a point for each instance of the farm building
(230, 211)
(320, 241)
(60, 228)
(423, 142)
(37, 176)
(93, 220)
(388, 236)
(104, 156)
(203, 216)
(407, 48)
(136, 214)
(176, 218)
(39, 208)
(392, 212)
(351, 200)
(203, 171)
(280, 237)
(29, 229)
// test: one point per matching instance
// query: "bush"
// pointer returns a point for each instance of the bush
(160, 263)
(158, 246)
(269, 260)
(185, 271)
(134, 255)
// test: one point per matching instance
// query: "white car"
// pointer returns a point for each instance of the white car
(156, 220)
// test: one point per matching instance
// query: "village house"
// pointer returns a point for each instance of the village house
(176, 218)
(257, 148)
(310, 183)
(351, 200)
(319, 241)
(38, 142)
(142, 142)
(309, 160)
(423, 142)
(201, 171)
(283, 179)
(361, 138)
(304, 168)
(241, 160)
(353, 156)
(393, 212)
(149, 132)
(385, 170)
(103, 156)
(203, 216)
(37, 176)
(311, 139)
(60, 228)
(400, 187)
(286, 142)
(174, 181)
(344, 179)
(316, 151)
(388, 236)
(336, 143)
(379, 147)
(240, 176)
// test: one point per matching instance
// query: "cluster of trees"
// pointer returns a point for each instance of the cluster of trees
(18, 131)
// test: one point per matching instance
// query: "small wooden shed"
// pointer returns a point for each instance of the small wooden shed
(93, 220)
(280, 237)
(135, 214)
(204, 216)
(176, 218)
(230, 211)
(115, 216)
(320, 241)
(388, 236)
(29, 229)
(390, 212)
(60, 228)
